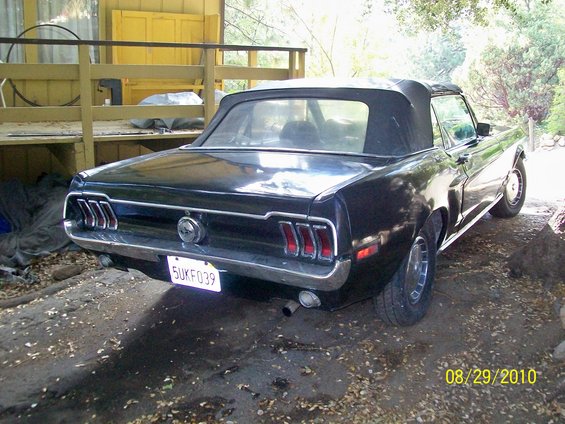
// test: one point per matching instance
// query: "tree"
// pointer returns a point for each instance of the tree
(434, 56)
(556, 119)
(441, 14)
(514, 77)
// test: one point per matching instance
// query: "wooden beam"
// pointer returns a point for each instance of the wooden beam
(209, 85)
(147, 71)
(252, 63)
(86, 105)
(38, 114)
(109, 113)
(24, 71)
(244, 73)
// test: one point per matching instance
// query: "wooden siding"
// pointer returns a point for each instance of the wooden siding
(28, 162)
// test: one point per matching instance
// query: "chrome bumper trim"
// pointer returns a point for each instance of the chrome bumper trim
(294, 273)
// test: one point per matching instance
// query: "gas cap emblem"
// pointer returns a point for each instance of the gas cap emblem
(190, 230)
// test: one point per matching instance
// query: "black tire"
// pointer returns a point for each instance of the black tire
(406, 298)
(514, 193)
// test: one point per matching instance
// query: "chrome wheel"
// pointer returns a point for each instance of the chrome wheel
(514, 187)
(417, 269)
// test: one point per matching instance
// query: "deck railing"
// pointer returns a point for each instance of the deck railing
(86, 72)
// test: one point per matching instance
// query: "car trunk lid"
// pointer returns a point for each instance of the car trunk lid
(243, 181)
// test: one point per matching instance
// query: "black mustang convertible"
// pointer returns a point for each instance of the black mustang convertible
(326, 192)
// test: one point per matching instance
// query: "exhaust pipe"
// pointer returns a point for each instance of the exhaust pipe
(290, 308)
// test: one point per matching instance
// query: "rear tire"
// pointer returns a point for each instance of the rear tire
(406, 298)
(514, 193)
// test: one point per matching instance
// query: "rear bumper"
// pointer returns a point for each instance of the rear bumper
(283, 271)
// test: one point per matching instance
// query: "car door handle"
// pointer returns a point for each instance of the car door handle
(464, 158)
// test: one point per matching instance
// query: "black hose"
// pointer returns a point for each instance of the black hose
(20, 35)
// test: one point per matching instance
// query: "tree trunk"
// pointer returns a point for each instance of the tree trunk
(544, 256)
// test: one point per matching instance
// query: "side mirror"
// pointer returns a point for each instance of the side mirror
(483, 129)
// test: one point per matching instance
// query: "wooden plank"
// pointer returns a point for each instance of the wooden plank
(106, 153)
(34, 141)
(103, 113)
(65, 162)
(127, 151)
(86, 105)
(209, 85)
(36, 114)
(79, 158)
(292, 61)
(301, 73)
(244, 73)
(38, 71)
(252, 63)
(14, 164)
(147, 71)
(38, 161)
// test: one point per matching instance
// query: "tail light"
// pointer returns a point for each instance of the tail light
(291, 241)
(308, 241)
(324, 242)
(97, 214)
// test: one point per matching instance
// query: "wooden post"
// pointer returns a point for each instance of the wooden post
(301, 64)
(531, 140)
(209, 85)
(252, 63)
(86, 105)
(291, 64)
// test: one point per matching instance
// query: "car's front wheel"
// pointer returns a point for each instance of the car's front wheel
(406, 298)
(514, 193)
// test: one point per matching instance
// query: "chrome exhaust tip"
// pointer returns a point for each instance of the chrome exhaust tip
(309, 299)
(290, 307)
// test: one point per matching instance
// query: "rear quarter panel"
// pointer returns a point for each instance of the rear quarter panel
(391, 205)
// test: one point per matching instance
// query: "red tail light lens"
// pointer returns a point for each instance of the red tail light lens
(307, 240)
(290, 238)
(324, 242)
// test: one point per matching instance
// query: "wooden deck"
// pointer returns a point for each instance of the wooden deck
(33, 133)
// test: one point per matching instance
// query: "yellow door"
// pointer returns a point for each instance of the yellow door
(165, 27)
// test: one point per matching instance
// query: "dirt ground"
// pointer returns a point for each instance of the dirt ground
(117, 347)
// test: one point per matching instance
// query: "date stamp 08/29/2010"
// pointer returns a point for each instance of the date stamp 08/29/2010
(502, 376)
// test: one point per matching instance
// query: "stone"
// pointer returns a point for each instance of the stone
(561, 141)
(559, 351)
(66, 271)
(562, 316)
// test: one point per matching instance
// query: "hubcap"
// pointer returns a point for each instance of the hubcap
(417, 270)
(514, 187)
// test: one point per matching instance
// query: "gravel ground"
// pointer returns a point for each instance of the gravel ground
(118, 347)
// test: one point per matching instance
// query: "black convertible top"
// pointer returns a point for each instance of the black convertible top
(400, 109)
(404, 86)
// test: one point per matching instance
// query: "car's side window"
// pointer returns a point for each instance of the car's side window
(455, 120)
(436, 132)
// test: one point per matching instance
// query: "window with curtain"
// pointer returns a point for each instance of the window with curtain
(11, 24)
(79, 17)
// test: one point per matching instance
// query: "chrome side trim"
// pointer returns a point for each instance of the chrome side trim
(295, 273)
(459, 233)
(211, 211)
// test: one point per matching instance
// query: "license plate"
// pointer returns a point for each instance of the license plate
(193, 273)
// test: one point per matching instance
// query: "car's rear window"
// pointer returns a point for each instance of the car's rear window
(294, 123)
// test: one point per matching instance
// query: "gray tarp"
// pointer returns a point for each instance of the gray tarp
(182, 98)
(35, 216)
